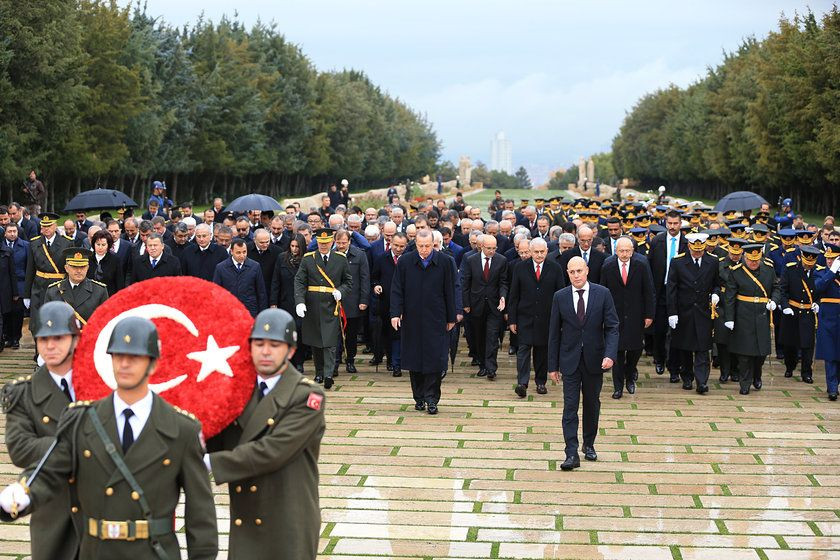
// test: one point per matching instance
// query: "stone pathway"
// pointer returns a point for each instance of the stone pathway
(679, 476)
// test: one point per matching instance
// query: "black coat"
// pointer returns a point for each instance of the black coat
(247, 285)
(109, 271)
(425, 299)
(360, 293)
(530, 301)
(688, 296)
(283, 284)
(142, 269)
(382, 275)
(267, 261)
(634, 302)
(596, 261)
(478, 294)
(8, 279)
(202, 264)
(658, 257)
(798, 330)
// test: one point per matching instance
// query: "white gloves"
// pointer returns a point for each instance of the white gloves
(715, 299)
(300, 310)
(207, 462)
(729, 325)
(787, 311)
(14, 498)
(771, 305)
(672, 321)
(27, 301)
(336, 295)
(835, 266)
(815, 307)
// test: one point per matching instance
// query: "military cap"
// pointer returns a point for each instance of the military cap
(324, 235)
(735, 245)
(832, 251)
(736, 225)
(753, 251)
(275, 324)
(809, 254)
(524, 201)
(76, 256)
(685, 227)
(788, 232)
(539, 199)
(48, 218)
(760, 228)
(135, 336)
(638, 233)
(697, 241)
(717, 232)
(56, 318)
(656, 228)
(554, 199)
(804, 233)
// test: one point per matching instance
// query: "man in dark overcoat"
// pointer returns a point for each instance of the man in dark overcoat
(799, 312)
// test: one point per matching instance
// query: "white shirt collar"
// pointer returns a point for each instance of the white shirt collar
(537, 264)
(50, 239)
(235, 262)
(67, 376)
(98, 257)
(72, 285)
(141, 409)
(157, 259)
(269, 381)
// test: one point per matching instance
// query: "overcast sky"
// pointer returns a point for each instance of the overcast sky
(556, 76)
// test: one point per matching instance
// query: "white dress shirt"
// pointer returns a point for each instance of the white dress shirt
(668, 242)
(116, 245)
(270, 382)
(585, 296)
(67, 377)
(141, 409)
(624, 264)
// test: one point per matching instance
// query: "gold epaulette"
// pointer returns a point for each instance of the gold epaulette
(721, 258)
(770, 262)
(67, 238)
(792, 263)
(820, 267)
(98, 282)
(737, 266)
(309, 253)
(340, 253)
(678, 255)
(79, 404)
(306, 380)
(790, 249)
(185, 413)
(34, 238)
(55, 283)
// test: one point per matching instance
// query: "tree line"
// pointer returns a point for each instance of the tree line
(94, 94)
(766, 119)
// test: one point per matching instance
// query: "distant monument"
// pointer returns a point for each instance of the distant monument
(465, 171)
(590, 170)
(581, 173)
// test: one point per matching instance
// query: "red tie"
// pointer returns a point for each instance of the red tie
(624, 273)
(395, 259)
(387, 246)
(538, 272)
(486, 269)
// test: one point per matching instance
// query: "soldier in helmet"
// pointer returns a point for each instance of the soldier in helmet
(33, 405)
(127, 457)
(269, 455)
(45, 264)
(83, 294)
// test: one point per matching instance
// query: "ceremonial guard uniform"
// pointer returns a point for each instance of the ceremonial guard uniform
(45, 264)
(321, 282)
(84, 297)
(827, 284)
(269, 459)
(727, 357)
(33, 405)
(799, 312)
(751, 295)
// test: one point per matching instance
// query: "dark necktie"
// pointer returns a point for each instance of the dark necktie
(65, 388)
(154, 263)
(697, 262)
(263, 390)
(324, 256)
(486, 269)
(581, 309)
(128, 433)
(239, 267)
(49, 243)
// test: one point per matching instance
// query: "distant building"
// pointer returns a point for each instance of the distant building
(500, 158)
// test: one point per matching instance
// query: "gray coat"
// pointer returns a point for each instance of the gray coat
(360, 293)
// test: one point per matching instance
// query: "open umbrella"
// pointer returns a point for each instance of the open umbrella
(253, 202)
(96, 199)
(739, 201)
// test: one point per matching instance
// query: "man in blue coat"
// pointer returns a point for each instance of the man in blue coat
(423, 307)
(827, 284)
(13, 319)
(582, 345)
(202, 257)
(243, 278)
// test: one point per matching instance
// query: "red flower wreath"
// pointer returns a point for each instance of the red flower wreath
(205, 364)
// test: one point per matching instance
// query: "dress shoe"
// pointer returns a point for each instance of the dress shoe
(635, 375)
(474, 362)
(491, 375)
(735, 377)
(419, 406)
(7, 343)
(832, 396)
(433, 409)
(660, 369)
(715, 362)
(375, 361)
(389, 367)
(328, 382)
(757, 384)
(675, 378)
(367, 350)
(688, 385)
(808, 379)
(589, 453)
(744, 391)
(570, 463)
(350, 367)
(631, 388)
(788, 373)
(521, 390)
(319, 379)
(702, 389)
(541, 389)
(617, 394)
(511, 351)
(15, 344)
(396, 373)
(481, 373)
(724, 377)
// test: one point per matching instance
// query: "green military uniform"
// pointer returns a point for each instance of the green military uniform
(269, 459)
(44, 266)
(165, 458)
(33, 404)
(727, 358)
(84, 298)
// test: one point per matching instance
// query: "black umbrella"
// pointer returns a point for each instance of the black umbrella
(96, 199)
(739, 201)
(253, 202)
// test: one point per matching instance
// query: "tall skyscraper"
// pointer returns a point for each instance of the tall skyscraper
(500, 158)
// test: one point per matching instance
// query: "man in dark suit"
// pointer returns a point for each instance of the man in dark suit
(82, 223)
(155, 262)
(485, 285)
(594, 259)
(381, 277)
(356, 302)
(664, 247)
(26, 227)
(627, 276)
(582, 344)
(13, 319)
(611, 234)
(263, 252)
(200, 258)
(121, 247)
(243, 278)
(533, 284)
(72, 232)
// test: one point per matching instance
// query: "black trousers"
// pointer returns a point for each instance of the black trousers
(728, 362)
(624, 368)
(581, 381)
(750, 369)
(425, 387)
(695, 366)
(663, 351)
(792, 358)
(485, 326)
(13, 321)
(300, 354)
(523, 363)
(351, 334)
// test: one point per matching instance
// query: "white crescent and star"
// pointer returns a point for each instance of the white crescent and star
(212, 359)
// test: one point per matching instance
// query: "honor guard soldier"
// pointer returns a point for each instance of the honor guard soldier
(269, 455)
(640, 240)
(322, 280)
(799, 312)
(127, 458)
(752, 293)
(45, 264)
(33, 406)
(80, 292)
(727, 358)
(827, 286)
(713, 242)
